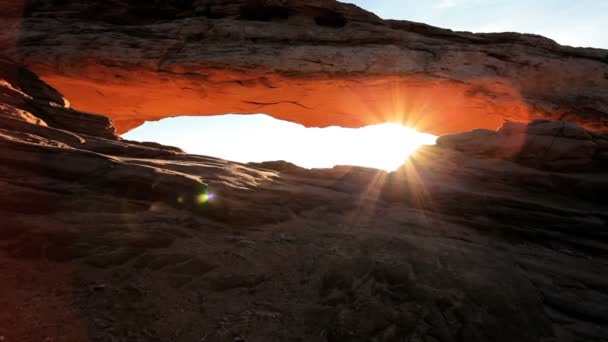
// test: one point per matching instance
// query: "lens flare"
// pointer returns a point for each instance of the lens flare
(204, 198)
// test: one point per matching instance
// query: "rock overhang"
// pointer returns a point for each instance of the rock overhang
(317, 63)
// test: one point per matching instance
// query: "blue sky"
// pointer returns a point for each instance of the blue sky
(570, 22)
(259, 137)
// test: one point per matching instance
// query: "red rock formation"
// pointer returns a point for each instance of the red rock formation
(318, 63)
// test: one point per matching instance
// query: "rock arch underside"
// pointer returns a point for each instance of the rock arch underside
(318, 63)
(495, 234)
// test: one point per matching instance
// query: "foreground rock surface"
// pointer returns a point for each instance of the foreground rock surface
(318, 63)
(104, 239)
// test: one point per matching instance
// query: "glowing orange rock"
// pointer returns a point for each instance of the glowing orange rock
(318, 63)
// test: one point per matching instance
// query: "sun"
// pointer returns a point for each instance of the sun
(385, 146)
(259, 138)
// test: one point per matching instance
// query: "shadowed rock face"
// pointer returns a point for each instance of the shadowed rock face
(318, 63)
(556, 145)
(104, 239)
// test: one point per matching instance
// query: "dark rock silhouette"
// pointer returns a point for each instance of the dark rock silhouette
(106, 239)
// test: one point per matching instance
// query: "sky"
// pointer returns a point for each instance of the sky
(259, 137)
(581, 23)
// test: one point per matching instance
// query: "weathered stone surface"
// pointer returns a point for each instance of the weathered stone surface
(318, 63)
(22, 92)
(555, 145)
(103, 239)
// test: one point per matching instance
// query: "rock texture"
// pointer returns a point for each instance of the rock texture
(104, 239)
(556, 145)
(316, 62)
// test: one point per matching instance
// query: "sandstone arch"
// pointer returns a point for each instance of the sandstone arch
(318, 63)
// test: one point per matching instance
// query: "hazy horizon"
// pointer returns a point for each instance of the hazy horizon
(259, 137)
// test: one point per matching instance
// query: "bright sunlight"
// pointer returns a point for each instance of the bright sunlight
(258, 138)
